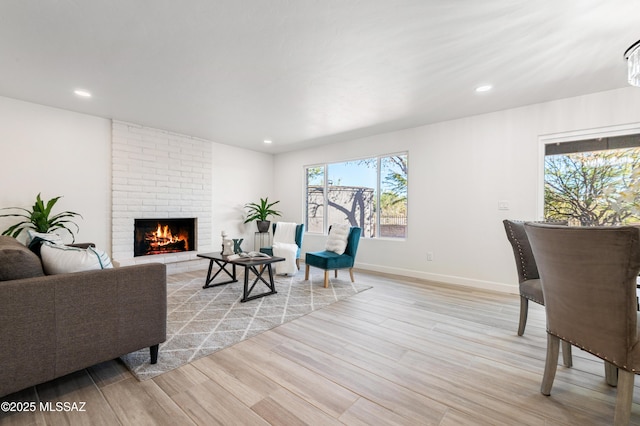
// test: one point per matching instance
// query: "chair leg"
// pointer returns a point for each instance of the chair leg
(351, 273)
(566, 346)
(335, 273)
(567, 360)
(306, 273)
(524, 310)
(326, 278)
(625, 396)
(298, 263)
(611, 374)
(551, 364)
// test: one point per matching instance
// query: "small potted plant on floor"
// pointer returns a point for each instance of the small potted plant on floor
(260, 212)
(40, 219)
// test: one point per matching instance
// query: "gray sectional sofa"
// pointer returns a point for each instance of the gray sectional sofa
(52, 325)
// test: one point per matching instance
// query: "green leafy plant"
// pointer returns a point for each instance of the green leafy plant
(40, 219)
(261, 211)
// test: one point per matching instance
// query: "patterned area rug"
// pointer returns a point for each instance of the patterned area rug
(202, 321)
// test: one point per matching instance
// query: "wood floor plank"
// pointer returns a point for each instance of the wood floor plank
(283, 408)
(245, 383)
(405, 352)
(367, 413)
(331, 337)
(455, 418)
(438, 381)
(143, 403)
(369, 385)
(109, 372)
(180, 379)
(307, 384)
(375, 337)
(74, 399)
(16, 418)
(210, 404)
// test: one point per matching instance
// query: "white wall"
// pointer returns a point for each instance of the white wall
(57, 152)
(458, 171)
(239, 177)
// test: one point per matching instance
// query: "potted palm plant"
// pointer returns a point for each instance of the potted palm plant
(260, 212)
(40, 219)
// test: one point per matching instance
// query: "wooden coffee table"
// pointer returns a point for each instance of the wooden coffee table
(250, 265)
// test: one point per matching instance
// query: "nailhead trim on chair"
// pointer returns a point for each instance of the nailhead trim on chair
(577, 345)
(535, 300)
(522, 265)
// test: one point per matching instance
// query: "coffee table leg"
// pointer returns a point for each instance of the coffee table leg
(208, 280)
(272, 285)
(223, 267)
(247, 290)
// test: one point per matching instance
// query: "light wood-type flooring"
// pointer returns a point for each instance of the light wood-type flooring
(402, 353)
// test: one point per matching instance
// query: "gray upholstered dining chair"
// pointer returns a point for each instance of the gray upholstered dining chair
(528, 278)
(589, 282)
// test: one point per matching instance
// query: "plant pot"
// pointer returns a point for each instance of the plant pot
(263, 225)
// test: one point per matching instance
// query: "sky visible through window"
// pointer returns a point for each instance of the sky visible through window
(352, 174)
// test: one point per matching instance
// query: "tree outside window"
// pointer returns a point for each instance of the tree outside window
(315, 199)
(393, 196)
(352, 190)
(595, 187)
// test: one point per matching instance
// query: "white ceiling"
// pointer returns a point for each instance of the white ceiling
(306, 72)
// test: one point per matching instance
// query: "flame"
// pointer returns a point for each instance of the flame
(162, 237)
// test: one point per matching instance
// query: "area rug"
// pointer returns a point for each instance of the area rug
(202, 321)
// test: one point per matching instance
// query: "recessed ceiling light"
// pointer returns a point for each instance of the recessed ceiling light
(82, 93)
(484, 88)
(268, 141)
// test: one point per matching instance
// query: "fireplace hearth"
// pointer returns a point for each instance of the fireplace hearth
(163, 236)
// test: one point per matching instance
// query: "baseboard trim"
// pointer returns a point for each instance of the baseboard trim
(441, 278)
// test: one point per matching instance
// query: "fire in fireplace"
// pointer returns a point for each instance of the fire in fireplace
(161, 236)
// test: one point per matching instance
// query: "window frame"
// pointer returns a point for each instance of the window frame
(574, 136)
(377, 190)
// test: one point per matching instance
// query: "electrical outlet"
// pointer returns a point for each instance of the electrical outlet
(503, 205)
(430, 256)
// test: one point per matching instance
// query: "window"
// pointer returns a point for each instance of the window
(370, 193)
(596, 181)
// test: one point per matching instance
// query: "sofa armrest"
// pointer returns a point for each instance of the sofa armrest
(57, 324)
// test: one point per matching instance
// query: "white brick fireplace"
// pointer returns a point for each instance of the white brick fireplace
(159, 174)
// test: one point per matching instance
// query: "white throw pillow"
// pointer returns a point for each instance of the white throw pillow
(61, 259)
(50, 236)
(337, 241)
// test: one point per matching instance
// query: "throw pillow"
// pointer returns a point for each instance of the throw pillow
(47, 236)
(60, 259)
(36, 244)
(16, 261)
(337, 241)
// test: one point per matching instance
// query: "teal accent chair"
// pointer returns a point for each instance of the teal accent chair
(298, 239)
(329, 260)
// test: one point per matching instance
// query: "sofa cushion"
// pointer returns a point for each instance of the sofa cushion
(328, 260)
(61, 259)
(17, 261)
